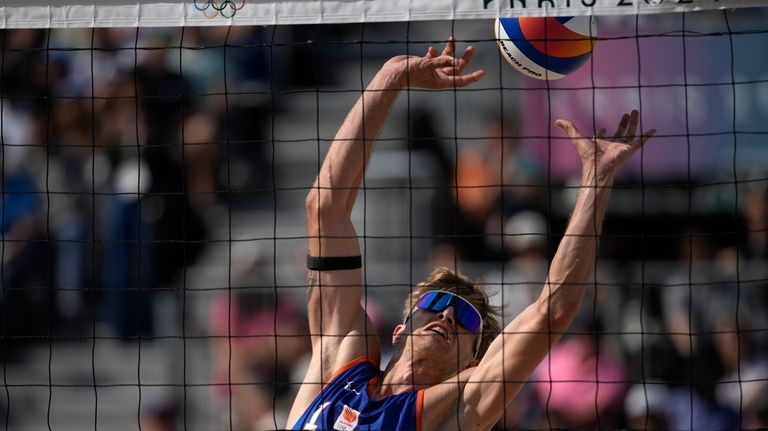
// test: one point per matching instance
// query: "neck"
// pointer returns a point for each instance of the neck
(408, 374)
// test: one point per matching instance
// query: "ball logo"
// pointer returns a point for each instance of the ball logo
(347, 420)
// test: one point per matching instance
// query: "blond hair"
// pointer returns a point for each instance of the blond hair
(443, 278)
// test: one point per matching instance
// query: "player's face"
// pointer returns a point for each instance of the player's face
(436, 334)
(443, 326)
(446, 325)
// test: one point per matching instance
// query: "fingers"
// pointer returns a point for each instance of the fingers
(450, 47)
(450, 80)
(646, 136)
(634, 118)
(627, 127)
(469, 53)
(457, 68)
(445, 62)
(638, 143)
(622, 128)
(448, 69)
(463, 80)
(569, 128)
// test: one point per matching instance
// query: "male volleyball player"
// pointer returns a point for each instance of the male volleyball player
(451, 369)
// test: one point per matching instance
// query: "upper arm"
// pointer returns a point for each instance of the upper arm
(340, 331)
(506, 366)
(340, 327)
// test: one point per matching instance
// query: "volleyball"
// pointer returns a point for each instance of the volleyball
(546, 48)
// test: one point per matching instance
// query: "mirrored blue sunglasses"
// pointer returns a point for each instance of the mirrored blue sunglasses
(466, 314)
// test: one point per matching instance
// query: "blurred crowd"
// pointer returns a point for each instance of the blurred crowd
(116, 162)
(112, 153)
(672, 334)
(111, 160)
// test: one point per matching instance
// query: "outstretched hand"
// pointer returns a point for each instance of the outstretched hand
(604, 156)
(435, 71)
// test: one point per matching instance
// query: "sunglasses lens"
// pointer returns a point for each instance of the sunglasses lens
(467, 316)
(434, 301)
(437, 301)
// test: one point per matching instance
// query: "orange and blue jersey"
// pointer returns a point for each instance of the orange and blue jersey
(345, 403)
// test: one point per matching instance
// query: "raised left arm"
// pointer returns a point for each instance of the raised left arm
(513, 356)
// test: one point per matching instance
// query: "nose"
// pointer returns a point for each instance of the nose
(448, 315)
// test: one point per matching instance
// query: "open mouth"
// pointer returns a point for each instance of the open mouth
(441, 332)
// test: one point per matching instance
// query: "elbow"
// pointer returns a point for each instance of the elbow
(560, 320)
(320, 205)
(324, 207)
(312, 203)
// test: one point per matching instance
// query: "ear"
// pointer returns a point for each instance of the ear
(396, 333)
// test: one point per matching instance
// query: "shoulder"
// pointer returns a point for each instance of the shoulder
(360, 365)
(362, 368)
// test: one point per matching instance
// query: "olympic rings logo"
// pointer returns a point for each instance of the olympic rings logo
(214, 8)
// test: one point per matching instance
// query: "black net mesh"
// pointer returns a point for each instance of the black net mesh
(154, 220)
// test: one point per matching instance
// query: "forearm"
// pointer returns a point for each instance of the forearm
(575, 256)
(527, 339)
(344, 166)
(335, 189)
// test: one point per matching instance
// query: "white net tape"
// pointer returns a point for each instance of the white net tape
(124, 13)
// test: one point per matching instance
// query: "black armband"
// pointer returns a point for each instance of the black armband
(336, 263)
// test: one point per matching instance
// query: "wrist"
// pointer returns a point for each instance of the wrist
(593, 177)
(390, 77)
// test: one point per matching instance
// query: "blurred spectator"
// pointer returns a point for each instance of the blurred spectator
(178, 225)
(520, 173)
(755, 212)
(645, 407)
(745, 389)
(757, 410)
(523, 275)
(26, 300)
(259, 339)
(716, 327)
(469, 201)
(200, 158)
(254, 357)
(236, 83)
(691, 300)
(128, 267)
(127, 270)
(709, 316)
(23, 73)
(513, 289)
(579, 387)
(162, 416)
(693, 410)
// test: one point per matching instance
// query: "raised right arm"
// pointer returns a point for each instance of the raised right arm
(337, 322)
(339, 327)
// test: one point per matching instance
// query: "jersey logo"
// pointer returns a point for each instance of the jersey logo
(347, 420)
(350, 388)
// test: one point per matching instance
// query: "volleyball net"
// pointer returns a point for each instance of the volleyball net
(156, 157)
